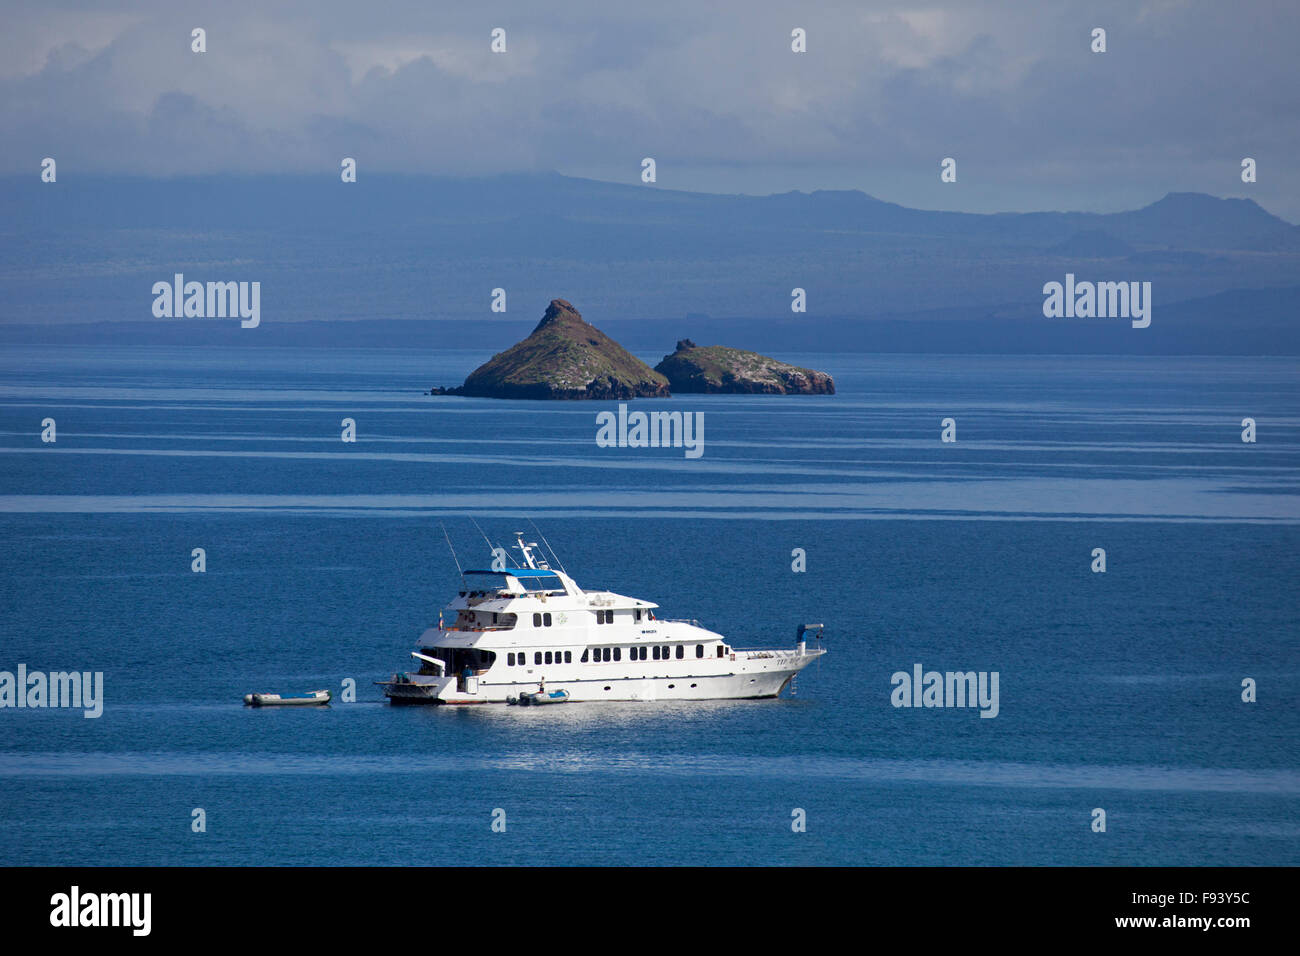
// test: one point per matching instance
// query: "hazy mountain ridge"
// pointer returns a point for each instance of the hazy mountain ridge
(414, 248)
(386, 202)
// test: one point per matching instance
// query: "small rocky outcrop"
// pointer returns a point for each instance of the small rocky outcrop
(718, 369)
(563, 358)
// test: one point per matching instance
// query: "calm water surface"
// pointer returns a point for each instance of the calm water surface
(325, 560)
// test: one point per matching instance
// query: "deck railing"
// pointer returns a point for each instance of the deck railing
(758, 653)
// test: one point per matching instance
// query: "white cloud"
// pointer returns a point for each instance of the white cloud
(889, 88)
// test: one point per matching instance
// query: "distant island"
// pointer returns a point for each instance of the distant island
(718, 369)
(565, 357)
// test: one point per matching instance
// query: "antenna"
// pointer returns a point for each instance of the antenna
(480, 531)
(548, 544)
(453, 551)
(491, 548)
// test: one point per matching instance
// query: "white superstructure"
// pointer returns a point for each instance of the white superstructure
(513, 629)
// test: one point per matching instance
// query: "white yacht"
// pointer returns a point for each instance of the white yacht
(515, 631)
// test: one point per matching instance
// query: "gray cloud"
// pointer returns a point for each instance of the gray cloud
(712, 91)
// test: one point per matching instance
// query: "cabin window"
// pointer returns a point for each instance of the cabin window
(537, 657)
(638, 614)
(618, 653)
(537, 620)
(699, 650)
(681, 652)
(584, 658)
(546, 618)
(665, 653)
(605, 655)
(510, 659)
(656, 653)
(568, 657)
(548, 657)
(719, 650)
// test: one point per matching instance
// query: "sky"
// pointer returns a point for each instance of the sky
(711, 91)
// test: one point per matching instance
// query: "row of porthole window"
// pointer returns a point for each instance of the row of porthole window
(641, 653)
(597, 655)
(549, 657)
(602, 617)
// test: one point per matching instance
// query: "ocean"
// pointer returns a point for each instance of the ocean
(1120, 691)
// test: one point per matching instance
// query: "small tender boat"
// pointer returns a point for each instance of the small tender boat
(537, 700)
(288, 700)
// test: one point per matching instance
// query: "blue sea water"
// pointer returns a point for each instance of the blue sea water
(325, 560)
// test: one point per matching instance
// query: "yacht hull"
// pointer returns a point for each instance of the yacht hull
(754, 681)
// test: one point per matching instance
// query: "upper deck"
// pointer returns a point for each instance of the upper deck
(522, 588)
(537, 604)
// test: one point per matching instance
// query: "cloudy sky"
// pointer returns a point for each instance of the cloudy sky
(712, 91)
